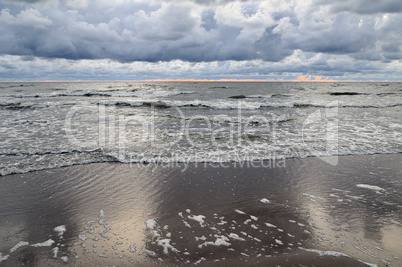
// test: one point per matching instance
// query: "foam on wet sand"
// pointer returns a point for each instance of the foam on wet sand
(3, 258)
(371, 187)
(18, 245)
(46, 243)
(206, 218)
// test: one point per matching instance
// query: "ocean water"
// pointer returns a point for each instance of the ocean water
(48, 125)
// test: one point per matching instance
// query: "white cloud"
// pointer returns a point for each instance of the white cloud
(77, 3)
(222, 37)
(252, 18)
(170, 22)
(299, 63)
(28, 17)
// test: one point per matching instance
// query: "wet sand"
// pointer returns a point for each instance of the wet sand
(300, 212)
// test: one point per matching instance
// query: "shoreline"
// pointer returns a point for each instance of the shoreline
(265, 214)
(278, 162)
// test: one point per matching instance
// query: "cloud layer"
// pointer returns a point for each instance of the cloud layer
(364, 33)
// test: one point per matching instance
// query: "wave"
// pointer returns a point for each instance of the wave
(280, 95)
(372, 106)
(99, 156)
(16, 86)
(16, 106)
(133, 93)
(41, 153)
(302, 105)
(231, 104)
(219, 87)
(194, 103)
(346, 93)
(237, 96)
(234, 119)
(210, 104)
(386, 94)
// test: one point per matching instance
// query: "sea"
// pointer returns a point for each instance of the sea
(47, 125)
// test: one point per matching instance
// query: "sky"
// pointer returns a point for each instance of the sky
(200, 39)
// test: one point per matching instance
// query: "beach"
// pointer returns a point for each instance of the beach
(200, 132)
(284, 212)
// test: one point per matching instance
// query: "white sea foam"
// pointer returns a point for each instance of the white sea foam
(60, 229)
(312, 196)
(240, 212)
(3, 258)
(208, 154)
(222, 222)
(326, 253)
(279, 242)
(371, 187)
(199, 261)
(270, 225)
(82, 237)
(198, 218)
(147, 251)
(236, 237)
(165, 243)
(203, 238)
(254, 218)
(55, 251)
(186, 224)
(46, 243)
(335, 254)
(220, 241)
(151, 224)
(18, 245)
(264, 200)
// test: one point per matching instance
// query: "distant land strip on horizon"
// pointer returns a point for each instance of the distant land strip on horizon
(299, 79)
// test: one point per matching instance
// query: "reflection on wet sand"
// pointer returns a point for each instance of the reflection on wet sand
(120, 214)
(356, 207)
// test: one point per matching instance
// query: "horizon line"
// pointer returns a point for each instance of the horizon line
(298, 79)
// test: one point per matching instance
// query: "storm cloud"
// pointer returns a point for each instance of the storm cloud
(204, 31)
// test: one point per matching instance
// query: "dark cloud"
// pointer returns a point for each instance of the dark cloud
(208, 20)
(363, 6)
(360, 37)
(168, 32)
(209, 2)
(205, 31)
(24, 1)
